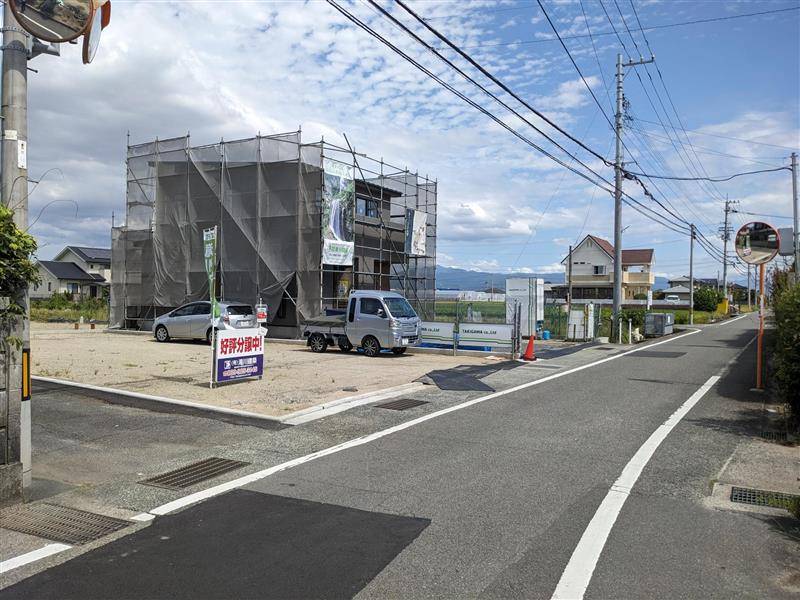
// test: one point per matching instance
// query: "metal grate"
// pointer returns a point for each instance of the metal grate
(60, 523)
(189, 475)
(774, 436)
(762, 498)
(402, 404)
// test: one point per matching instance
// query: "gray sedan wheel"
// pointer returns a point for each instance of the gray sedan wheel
(162, 335)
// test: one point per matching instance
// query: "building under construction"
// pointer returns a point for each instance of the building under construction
(300, 225)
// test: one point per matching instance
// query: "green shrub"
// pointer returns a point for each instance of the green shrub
(640, 296)
(787, 346)
(707, 299)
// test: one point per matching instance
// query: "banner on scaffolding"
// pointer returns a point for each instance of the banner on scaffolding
(338, 208)
(416, 230)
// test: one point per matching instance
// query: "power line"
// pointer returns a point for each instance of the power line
(715, 179)
(485, 72)
(650, 28)
(727, 137)
(359, 23)
(744, 212)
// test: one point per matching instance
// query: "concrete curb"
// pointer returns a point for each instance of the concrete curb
(232, 415)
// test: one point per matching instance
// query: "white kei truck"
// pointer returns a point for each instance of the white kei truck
(374, 321)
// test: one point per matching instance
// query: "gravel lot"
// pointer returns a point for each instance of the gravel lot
(294, 377)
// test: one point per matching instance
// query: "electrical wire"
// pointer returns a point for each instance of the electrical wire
(716, 179)
(650, 28)
(728, 137)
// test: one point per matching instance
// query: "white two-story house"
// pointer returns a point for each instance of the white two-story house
(593, 271)
(79, 271)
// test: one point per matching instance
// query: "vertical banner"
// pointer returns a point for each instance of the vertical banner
(210, 257)
(416, 231)
(338, 209)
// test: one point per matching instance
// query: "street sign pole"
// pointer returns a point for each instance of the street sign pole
(210, 259)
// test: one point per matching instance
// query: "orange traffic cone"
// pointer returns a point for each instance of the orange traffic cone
(529, 351)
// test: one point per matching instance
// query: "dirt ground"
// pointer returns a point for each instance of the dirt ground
(294, 377)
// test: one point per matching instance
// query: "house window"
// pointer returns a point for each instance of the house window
(49, 286)
(367, 207)
(600, 269)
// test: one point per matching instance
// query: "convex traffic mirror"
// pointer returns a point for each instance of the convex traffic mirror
(55, 21)
(757, 243)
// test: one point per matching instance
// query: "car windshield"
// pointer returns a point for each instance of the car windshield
(399, 307)
(240, 309)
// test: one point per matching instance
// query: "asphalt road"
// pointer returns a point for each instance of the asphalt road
(487, 501)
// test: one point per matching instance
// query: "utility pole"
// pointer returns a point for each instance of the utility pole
(795, 210)
(569, 284)
(15, 432)
(725, 232)
(618, 167)
(749, 305)
(691, 277)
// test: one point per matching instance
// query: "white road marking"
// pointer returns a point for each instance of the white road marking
(29, 557)
(258, 475)
(580, 568)
(733, 319)
(143, 517)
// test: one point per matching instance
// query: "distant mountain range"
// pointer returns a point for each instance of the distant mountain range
(451, 278)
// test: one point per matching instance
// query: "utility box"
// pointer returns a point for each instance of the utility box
(528, 293)
(658, 324)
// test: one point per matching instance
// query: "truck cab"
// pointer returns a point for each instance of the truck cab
(374, 321)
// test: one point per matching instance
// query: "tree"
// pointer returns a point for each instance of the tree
(707, 299)
(17, 272)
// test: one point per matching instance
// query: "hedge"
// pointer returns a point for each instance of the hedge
(787, 347)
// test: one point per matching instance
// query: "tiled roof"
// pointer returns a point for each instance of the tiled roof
(96, 255)
(642, 256)
(66, 270)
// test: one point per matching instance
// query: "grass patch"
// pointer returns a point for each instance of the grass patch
(60, 308)
(491, 312)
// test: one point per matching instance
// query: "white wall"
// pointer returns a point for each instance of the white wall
(590, 254)
(42, 291)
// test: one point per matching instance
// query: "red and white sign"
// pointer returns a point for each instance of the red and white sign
(238, 354)
(262, 312)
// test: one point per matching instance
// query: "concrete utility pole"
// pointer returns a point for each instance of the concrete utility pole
(749, 305)
(725, 232)
(795, 210)
(691, 277)
(569, 284)
(618, 167)
(15, 470)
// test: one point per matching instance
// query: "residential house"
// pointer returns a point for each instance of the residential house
(80, 271)
(681, 291)
(593, 271)
(91, 260)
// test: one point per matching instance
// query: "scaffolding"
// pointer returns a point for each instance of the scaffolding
(266, 195)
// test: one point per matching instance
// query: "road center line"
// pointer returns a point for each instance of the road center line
(580, 568)
(258, 475)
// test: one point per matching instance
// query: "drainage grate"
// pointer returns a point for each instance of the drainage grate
(775, 436)
(402, 404)
(762, 498)
(195, 473)
(60, 523)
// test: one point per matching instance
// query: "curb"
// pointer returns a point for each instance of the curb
(232, 415)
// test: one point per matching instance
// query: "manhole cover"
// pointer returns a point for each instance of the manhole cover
(774, 436)
(203, 470)
(402, 404)
(762, 498)
(60, 523)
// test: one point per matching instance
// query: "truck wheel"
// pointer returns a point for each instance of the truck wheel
(162, 335)
(371, 346)
(345, 345)
(399, 350)
(317, 343)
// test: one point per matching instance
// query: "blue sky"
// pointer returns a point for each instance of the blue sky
(231, 69)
